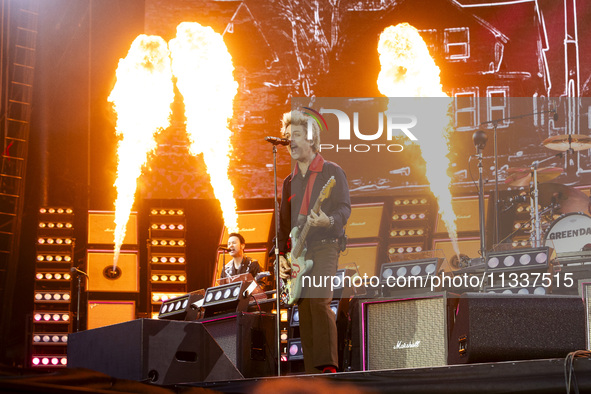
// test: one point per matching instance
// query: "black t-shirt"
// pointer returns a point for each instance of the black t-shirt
(248, 265)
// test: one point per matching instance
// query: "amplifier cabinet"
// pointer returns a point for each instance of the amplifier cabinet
(492, 327)
(406, 332)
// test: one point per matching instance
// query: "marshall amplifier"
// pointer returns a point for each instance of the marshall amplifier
(406, 332)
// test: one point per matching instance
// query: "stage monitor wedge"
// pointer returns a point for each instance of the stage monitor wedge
(158, 351)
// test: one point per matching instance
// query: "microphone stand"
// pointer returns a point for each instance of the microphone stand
(78, 273)
(495, 123)
(277, 278)
(277, 141)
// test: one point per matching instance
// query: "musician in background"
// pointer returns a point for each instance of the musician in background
(325, 239)
(240, 264)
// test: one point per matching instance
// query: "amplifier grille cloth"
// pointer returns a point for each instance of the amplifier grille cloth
(393, 325)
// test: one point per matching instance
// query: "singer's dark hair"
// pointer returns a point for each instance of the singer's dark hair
(239, 236)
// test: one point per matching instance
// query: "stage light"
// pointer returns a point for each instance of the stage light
(52, 296)
(51, 210)
(518, 259)
(42, 210)
(294, 320)
(519, 289)
(38, 317)
(164, 296)
(405, 269)
(228, 297)
(294, 349)
(49, 360)
(182, 308)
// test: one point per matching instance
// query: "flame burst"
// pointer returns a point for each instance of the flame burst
(142, 99)
(203, 68)
(408, 70)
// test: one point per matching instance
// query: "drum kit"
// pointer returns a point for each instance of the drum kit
(571, 231)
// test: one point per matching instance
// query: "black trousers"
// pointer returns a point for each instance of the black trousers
(318, 330)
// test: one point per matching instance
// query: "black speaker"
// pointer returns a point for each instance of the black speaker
(248, 339)
(159, 351)
(499, 327)
(409, 332)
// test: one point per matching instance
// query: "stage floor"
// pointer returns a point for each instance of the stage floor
(532, 376)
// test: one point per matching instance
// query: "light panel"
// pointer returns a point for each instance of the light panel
(518, 259)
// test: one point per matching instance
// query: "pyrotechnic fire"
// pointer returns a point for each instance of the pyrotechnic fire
(142, 99)
(203, 68)
(408, 70)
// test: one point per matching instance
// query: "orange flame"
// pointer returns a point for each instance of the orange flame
(142, 99)
(203, 68)
(408, 70)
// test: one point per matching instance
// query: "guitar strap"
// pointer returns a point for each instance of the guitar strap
(314, 168)
(308, 194)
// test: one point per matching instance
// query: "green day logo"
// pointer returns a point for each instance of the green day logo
(349, 130)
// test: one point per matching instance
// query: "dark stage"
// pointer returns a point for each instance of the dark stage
(535, 376)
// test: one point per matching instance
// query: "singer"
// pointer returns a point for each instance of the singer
(240, 264)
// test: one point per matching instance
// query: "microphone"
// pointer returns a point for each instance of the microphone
(555, 115)
(277, 141)
(75, 270)
(224, 249)
(479, 138)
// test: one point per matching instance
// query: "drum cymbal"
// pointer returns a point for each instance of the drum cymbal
(522, 176)
(568, 198)
(565, 142)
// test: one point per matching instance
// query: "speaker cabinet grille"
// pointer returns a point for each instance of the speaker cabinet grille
(405, 333)
(105, 313)
(124, 278)
(492, 327)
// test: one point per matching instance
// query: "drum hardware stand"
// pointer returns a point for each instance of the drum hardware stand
(536, 241)
(495, 123)
(544, 211)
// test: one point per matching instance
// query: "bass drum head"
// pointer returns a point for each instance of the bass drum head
(569, 233)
